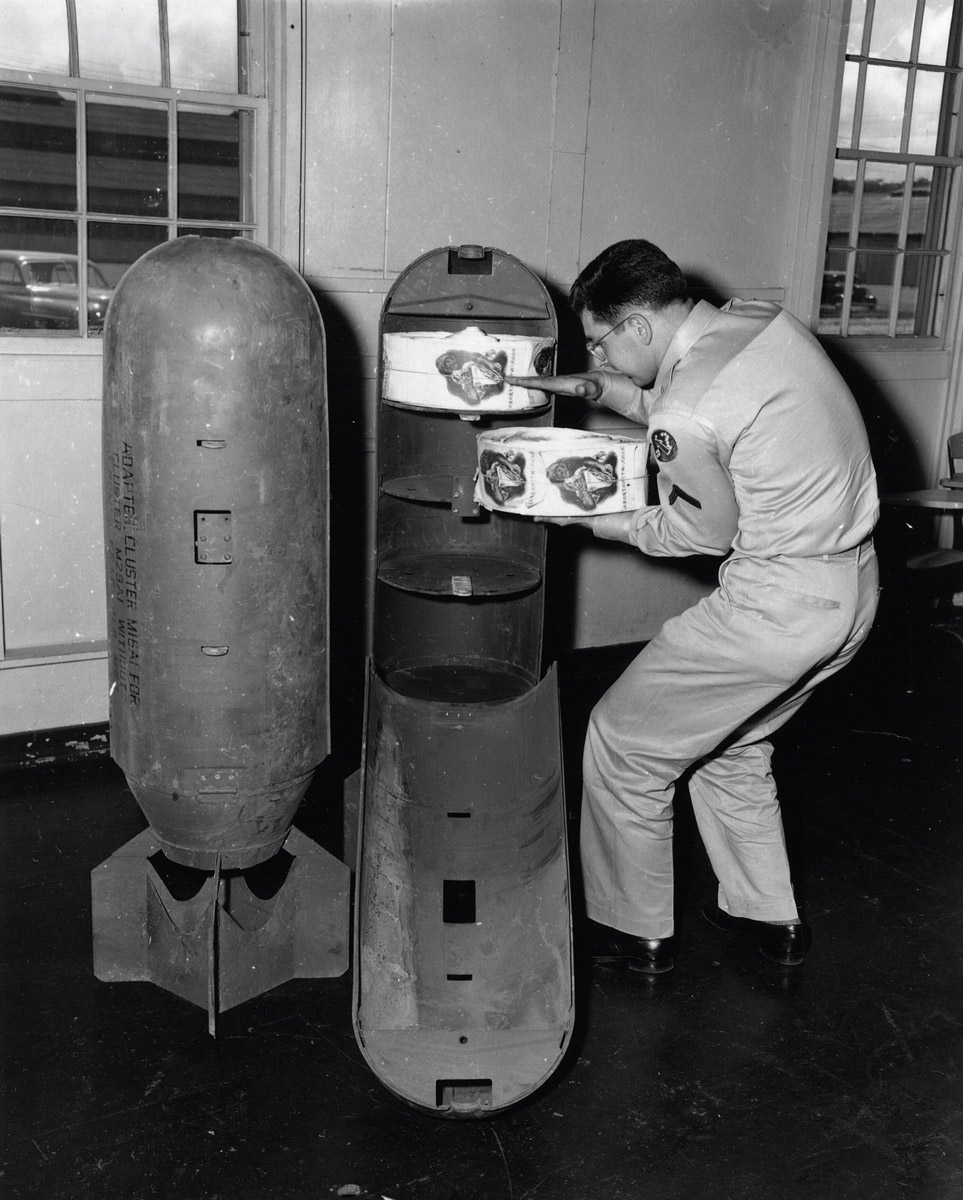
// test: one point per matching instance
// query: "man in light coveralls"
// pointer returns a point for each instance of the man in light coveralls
(762, 459)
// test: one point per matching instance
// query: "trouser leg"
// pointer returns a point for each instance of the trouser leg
(682, 696)
(733, 792)
(626, 830)
(728, 670)
(739, 819)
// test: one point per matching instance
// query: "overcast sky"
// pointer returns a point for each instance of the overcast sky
(892, 33)
(119, 39)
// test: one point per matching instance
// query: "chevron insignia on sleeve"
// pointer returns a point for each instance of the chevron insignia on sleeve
(678, 494)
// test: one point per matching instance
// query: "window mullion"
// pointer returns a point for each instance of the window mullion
(904, 216)
(950, 135)
(951, 107)
(901, 241)
(897, 288)
(857, 203)
(858, 106)
(163, 26)
(927, 277)
(908, 105)
(917, 31)
(868, 17)
(853, 241)
(73, 40)
(82, 211)
(890, 156)
(244, 47)
(172, 168)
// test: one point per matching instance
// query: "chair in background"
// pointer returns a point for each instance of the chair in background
(954, 449)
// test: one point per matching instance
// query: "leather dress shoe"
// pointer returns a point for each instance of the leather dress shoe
(612, 948)
(784, 944)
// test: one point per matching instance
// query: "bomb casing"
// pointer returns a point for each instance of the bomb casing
(216, 504)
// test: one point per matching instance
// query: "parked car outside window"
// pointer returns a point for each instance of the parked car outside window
(38, 290)
(834, 286)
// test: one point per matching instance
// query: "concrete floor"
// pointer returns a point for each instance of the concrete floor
(730, 1079)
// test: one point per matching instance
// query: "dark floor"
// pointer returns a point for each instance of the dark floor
(731, 1079)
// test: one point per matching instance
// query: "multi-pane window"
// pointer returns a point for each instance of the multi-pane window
(122, 125)
(894, 210)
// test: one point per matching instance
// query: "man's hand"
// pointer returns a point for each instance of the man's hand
(614, 527)
(589, 386)
(611, 389)
(586, 521)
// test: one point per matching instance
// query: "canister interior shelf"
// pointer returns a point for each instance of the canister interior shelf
(468, 415)
(461, 681)
(428, 489)
(450, 573)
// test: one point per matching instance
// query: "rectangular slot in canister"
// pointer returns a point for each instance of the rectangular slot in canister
(463, 1095)
(458, 901)
(469, 260)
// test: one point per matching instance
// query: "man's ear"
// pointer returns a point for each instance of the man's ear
(641, 326)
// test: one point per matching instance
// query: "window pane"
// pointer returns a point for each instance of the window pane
(830, 321)
(33, 36)
(929, 209)
(884, 103)
(869, 296)
(127, 158)
(920, 302)
(38, 148)
(834, 287)
(841, 203)
(935, 35)
(889, 242)
(113, 245)
(927, 102)
(892, 35)
(119, 40)
(38, 273)
(208, 165)
(203, 44)
(881, 210)
(856, 18)
(872, 294)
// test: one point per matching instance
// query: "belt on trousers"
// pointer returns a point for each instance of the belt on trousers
(856, 552)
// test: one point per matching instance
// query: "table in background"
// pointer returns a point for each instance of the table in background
(947, 499)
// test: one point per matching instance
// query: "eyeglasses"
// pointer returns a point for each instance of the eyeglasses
(597, 350)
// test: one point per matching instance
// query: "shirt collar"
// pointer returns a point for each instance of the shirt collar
(688, 333)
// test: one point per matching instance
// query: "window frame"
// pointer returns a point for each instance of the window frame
(65, 684)
(255, 146)
(951, 251)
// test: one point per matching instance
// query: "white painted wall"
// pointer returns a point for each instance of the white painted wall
(547, 128)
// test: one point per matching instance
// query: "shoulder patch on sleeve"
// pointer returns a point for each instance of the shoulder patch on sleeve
(664, 445)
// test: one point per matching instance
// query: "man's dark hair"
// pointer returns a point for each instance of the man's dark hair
(633, 272)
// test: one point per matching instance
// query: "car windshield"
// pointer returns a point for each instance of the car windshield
(55, 271)
(59, 271)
